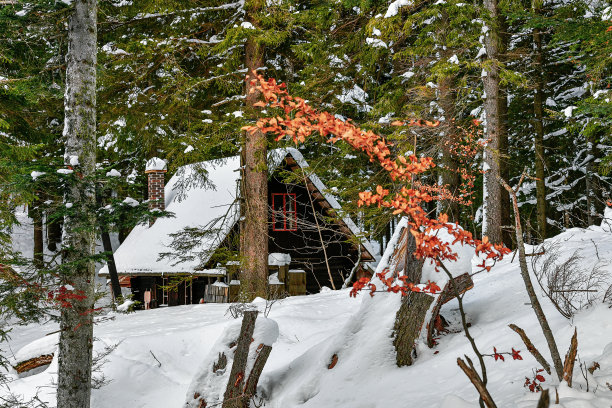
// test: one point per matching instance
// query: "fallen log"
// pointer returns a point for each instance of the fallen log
(33, 363)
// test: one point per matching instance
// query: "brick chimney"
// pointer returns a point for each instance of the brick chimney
(155, 170)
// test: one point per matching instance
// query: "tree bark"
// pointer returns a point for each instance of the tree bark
(76, 328)
(409, 321)
(538, 140)
(544, 401)
(234, 396)
(251, 383)
(495, 107)
(412, 313)
(254, 233)
(450, 177)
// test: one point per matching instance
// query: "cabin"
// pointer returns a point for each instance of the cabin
(183, 259)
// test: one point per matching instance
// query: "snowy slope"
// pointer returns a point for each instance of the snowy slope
(313, 328)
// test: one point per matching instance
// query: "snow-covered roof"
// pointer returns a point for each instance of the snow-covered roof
(213, 205)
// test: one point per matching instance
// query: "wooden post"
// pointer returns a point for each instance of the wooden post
(283, 271)
(234, 291)
(296, 282)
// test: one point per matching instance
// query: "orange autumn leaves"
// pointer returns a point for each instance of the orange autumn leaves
(298, 120)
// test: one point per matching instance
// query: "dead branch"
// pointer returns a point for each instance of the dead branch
(533, 298)
(531, 348)
(472, 374)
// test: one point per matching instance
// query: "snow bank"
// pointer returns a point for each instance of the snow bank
(606, 223)
(311, 329)
(209, 385)
(43, 346)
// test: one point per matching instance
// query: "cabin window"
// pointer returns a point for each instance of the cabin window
(284, 215)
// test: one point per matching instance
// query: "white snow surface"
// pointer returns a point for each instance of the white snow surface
(395, 6)
(606, 223)
(44, 345)
(279, 259)
(214, 208)
(211, 386)
(156, 164)
(311, 329)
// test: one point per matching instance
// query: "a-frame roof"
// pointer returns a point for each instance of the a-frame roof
(213, 206)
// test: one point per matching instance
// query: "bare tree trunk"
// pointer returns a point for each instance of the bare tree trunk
(54, 233)
(112, 268)
(450, 177)
(494, 105)
(254, 234)
(411, 315)
(533, 298)
(538, 140)
(35, 213)
(76, 328)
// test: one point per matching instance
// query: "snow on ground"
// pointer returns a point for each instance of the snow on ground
(161, 350)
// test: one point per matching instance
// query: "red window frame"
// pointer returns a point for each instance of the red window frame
(286, 213)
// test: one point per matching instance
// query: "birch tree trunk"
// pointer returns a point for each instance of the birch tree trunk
(494, 106)
(76, 328)
(254, 227)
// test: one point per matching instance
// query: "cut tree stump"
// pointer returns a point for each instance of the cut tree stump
(463, 284)
(234, 396)
(544, 401)
(260, 362)
(570, 358)
(408, 324)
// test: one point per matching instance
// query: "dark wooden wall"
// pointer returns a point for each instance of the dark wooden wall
(304, 245)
